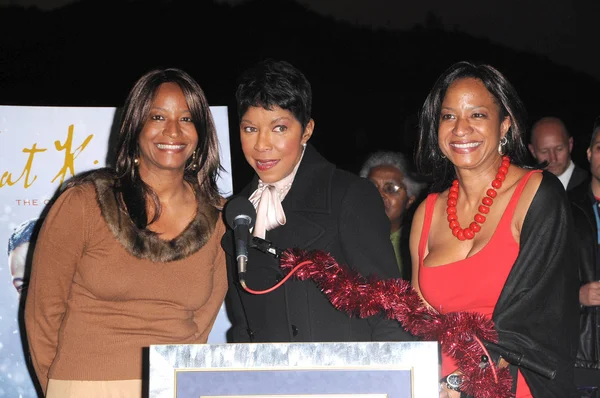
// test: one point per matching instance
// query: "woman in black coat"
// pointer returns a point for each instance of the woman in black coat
(302, 202)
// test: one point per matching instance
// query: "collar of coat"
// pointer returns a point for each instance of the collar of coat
(145, 244)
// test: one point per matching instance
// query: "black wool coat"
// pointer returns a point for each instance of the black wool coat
(326, 209)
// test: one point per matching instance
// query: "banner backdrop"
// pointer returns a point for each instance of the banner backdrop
(40, 148)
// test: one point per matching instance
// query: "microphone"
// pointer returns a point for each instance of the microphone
(519, 359)
(240, 216)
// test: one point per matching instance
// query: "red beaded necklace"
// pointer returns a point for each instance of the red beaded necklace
(484, 208)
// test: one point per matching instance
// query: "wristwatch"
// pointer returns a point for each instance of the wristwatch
(454, 381)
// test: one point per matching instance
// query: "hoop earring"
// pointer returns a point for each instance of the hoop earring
(503, 142)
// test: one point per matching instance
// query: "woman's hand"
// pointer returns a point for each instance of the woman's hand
(446, 392)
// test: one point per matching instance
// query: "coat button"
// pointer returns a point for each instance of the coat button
(295, 330)
(250, 334)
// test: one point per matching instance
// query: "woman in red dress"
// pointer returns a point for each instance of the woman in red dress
(493, 236)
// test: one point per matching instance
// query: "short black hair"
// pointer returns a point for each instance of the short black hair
(272, 83)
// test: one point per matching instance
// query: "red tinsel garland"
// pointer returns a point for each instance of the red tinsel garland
(459, 333)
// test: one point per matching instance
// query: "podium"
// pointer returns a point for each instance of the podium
(295, 370)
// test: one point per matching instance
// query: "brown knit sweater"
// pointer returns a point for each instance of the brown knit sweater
(100, 290)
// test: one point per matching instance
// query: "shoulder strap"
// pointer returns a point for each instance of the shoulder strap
(512, 204)
(429, 205)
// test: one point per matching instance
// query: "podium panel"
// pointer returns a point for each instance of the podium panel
(295, 370)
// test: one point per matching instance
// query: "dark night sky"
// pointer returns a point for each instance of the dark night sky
(564, 30)
(386, 70)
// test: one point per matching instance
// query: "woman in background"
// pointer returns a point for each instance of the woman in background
(399, 190)
(129, 257)
(495, 237)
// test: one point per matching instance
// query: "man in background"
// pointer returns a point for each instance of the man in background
(551, 142)
(585, 204)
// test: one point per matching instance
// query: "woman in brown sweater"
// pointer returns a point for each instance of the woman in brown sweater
(130, 256)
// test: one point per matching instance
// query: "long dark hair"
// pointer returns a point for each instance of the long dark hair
(130, 190)
(429, 158)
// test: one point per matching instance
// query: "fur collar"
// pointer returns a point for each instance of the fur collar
(146, 244)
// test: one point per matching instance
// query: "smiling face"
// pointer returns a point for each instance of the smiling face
(470, 125)
(272, 141)
(169, 136)
(390, 183)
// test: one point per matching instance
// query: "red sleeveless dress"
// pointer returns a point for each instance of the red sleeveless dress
(475, 283)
